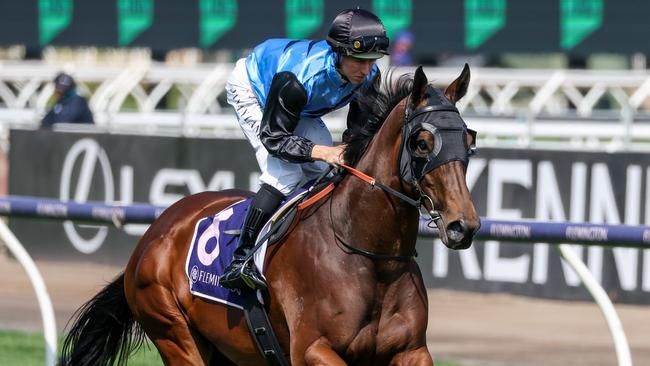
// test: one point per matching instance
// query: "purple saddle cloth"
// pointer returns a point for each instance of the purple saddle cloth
(211, 251)
(213, 245)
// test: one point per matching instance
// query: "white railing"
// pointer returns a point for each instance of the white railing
(42, 296)
(594, 109)
(621, 345)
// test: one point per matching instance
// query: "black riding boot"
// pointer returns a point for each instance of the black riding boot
(239, 274)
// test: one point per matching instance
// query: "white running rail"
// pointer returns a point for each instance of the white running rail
(44, 302)
(621, 345)
(589, 109)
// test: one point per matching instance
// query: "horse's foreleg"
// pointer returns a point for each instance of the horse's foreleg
(416, 357)
(320, 353)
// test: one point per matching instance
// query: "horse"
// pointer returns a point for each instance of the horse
(343, 287)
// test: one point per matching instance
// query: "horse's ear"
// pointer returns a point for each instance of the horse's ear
(420, 83)
(458, 87)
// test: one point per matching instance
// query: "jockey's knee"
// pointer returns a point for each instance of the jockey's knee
(281, 175)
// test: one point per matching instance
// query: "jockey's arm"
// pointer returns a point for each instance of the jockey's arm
(285, 101)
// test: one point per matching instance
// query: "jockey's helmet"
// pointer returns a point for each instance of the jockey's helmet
(358, 33)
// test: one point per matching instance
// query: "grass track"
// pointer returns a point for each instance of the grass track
(26, 349)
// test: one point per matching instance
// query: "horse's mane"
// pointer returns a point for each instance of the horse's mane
(375, 104)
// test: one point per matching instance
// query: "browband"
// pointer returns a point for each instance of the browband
(432, 108)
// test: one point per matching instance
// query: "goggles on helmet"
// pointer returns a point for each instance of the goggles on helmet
(363, 44)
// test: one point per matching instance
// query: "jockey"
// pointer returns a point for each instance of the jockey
(279, 93)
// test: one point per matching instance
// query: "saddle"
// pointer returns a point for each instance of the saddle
(286, 217)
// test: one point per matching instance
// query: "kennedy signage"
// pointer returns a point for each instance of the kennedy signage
(505, 184)
(553, 186)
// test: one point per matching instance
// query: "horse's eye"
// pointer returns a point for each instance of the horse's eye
(471, 142)
(422, 145)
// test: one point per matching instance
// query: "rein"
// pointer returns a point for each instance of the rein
(433, 213)
(373, 182)
(365, 253)
(415, 203)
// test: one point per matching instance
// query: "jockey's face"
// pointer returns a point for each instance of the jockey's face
(355, 69)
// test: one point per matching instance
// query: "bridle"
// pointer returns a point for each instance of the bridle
(450, 143)
(413, 168)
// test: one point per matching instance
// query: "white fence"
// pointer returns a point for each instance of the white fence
(592, 109)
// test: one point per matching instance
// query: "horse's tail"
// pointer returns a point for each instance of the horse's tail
(104, 331)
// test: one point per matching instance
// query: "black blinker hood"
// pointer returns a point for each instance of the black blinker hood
(449, 131)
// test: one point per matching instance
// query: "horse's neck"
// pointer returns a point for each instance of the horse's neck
(371, 216)
(380, 158)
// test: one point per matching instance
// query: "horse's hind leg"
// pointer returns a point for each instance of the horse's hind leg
(160, 318)
(208, 354)
(176, 353)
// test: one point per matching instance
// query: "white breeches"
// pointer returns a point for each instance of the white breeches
(280, 174)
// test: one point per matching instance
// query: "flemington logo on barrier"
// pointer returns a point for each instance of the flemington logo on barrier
(113, 213)
(52, 209)
(592, 233)
(516, 231)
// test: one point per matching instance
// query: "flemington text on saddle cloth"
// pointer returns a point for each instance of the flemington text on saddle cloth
(213, 245)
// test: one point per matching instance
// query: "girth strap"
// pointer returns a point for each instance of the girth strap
(262, 333)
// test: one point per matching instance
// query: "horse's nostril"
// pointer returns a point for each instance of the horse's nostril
(456, 231)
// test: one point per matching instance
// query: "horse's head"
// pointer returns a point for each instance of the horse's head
(436, 146)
